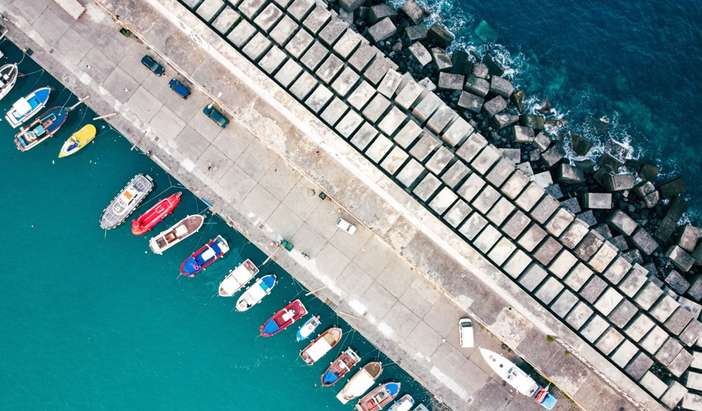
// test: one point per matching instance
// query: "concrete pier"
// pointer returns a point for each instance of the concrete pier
(405, 277)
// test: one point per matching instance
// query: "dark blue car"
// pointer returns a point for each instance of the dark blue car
(180, 88)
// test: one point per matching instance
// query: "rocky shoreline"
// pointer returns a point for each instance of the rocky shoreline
(625, 201)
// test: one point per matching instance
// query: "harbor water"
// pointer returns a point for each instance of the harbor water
(92, 320)
(634, 64)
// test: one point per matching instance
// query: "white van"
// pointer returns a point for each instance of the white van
(465, 332)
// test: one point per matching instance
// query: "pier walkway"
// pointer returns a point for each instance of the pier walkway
(405, 277)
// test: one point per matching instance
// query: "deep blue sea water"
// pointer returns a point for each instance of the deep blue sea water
(89, 320)
(636, 62)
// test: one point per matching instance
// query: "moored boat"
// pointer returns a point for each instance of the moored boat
(156, 214)
(360, 382)
(176, 233)
(405, 403)
(320, 346)
(283, 319)
(379, 397)
(256, 292)
(340, 367)
(307, 328)
(421, 407)
(8, 78)
(26, 107)
(237, 278)
(126, 201)
(518, 379)
(78, 140)
(204, 257)
(41, 129)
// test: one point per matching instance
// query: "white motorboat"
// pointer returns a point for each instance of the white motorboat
(237, 278)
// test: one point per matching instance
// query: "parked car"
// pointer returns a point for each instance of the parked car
(465, 327)
(215, 115)
(153, 65)
(180, 88)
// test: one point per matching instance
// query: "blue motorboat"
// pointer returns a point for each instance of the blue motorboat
(204, 256)
(26, 107)
(41, 129)
(256, 292)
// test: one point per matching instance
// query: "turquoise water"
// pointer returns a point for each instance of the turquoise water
(636, 62)
(92, 321)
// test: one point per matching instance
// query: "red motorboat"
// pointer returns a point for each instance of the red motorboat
(283, 319)
(155, 214)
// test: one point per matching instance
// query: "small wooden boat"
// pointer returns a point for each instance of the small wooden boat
(41, 129)
(518, 379)
(237, 278)
(176, 233)
(340, 367)
(405, 403)
(360, 382)
(320, 346)
(379, 397)
(204, 257)
(256, 292)
(78, 140)
(8, 78)
(156, 214)
(307, 328)
(126, 201)
(26, 107)
(283, 319)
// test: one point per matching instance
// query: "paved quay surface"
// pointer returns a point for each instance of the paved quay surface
(263, 174)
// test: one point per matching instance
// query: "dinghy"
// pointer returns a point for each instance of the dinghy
(156, 214)
(256, 292)
(307, 328)
(237, 278)
(320, 346)
(78, 140)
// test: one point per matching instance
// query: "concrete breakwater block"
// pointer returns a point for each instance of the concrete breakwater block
(382, 30)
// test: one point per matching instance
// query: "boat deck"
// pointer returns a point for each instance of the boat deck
(112, 216)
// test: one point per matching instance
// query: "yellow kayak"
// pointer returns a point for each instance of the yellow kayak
(78, 140)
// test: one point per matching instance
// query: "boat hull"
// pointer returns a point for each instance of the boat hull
(41, 129)
(147, 221)
(78, 140)
(27, 107)
(8, 79)
(283, 319)
(379, 397)
(339, 367)
(320, 346)
(176, 233)
(237, 278)
(307, 328)
(256, 293)
(360, 382)
(126, 201)
(205, 256)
